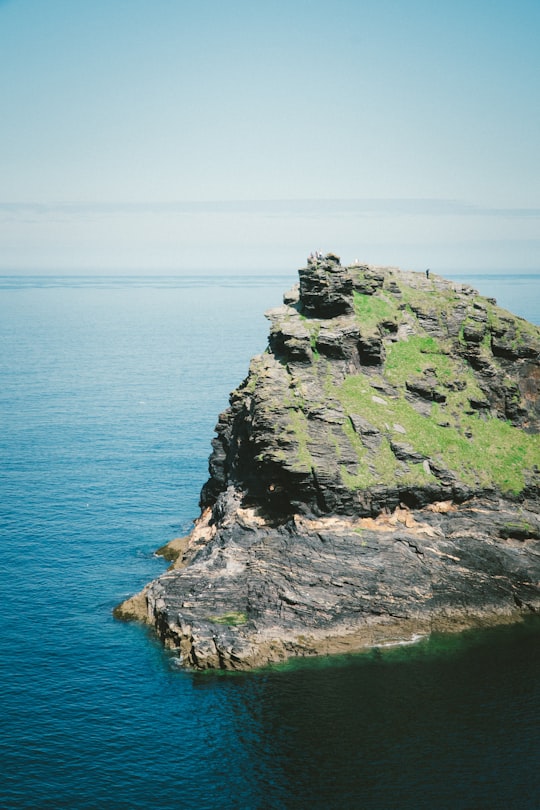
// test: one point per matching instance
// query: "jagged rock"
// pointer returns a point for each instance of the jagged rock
(292, 297)
(288, 335)
(370, 435)
(474, 333)
(406, 452)
(427, 389)
(326, 288)
(374, 478)
(339, 339)
(371, 350)
(368, 280)
(478, 404)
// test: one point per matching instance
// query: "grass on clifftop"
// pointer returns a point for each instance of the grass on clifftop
(410, 358)
(482, 452)
(429, 299)
(448, 423)
(371, 310)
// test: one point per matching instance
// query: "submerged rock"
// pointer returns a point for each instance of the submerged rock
(375, 477)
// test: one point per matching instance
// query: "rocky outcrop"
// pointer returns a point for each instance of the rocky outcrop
(374, 478)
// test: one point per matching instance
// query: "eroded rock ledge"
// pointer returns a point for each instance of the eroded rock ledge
(374, 479)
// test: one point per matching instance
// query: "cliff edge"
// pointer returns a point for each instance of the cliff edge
(375, 478)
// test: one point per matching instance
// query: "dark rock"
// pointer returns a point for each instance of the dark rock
(393, 288)
(339, 339)
(425, 389)
(406, 452)
(455, 385)
(474, 332)
(326, 289)
(333, 517)
(367, 280)
(478, 404)
(370, 435)
(362, 426)
(288, 337)
(371, 350)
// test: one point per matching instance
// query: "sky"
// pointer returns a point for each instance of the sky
(167, 136)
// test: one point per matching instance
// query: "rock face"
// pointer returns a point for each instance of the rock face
(375, 477)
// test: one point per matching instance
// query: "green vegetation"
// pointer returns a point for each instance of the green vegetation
(233, 618)
(413, 356)
(363, 477)
(520, 332)
(251, 383)
(427, 300)
(482, 452)
(519, 530)
(408, 359)
(383, 467)
(313, 327)
(372, 309)
(252, 380)
(298, 426)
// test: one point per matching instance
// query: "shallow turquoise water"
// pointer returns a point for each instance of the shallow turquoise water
(110, 392)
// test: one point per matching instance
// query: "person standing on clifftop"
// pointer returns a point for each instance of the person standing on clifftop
(427, 273)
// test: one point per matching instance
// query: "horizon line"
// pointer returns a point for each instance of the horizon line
(301, 206)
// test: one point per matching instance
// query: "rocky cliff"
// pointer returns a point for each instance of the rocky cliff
(374, 479)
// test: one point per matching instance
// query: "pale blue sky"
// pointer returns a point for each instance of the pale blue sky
(165, 135)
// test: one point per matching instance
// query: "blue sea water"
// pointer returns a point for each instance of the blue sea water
(110, 391)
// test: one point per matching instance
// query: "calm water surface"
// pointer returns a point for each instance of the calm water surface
(110, 391)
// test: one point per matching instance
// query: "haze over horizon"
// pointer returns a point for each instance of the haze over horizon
(163, 136)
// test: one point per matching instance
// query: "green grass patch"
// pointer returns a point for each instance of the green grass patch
(251, 383)
(482, 452)
(372, 309)
(298, 426)
(410, 358)
(519, 530)
(363, 477)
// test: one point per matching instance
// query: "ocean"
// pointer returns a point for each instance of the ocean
(111, 387)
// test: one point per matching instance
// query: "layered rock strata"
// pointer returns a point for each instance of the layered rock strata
(374, 479)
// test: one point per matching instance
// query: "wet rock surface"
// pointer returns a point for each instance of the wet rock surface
(375, 477)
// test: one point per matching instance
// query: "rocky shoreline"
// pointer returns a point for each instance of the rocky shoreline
(375, 478)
